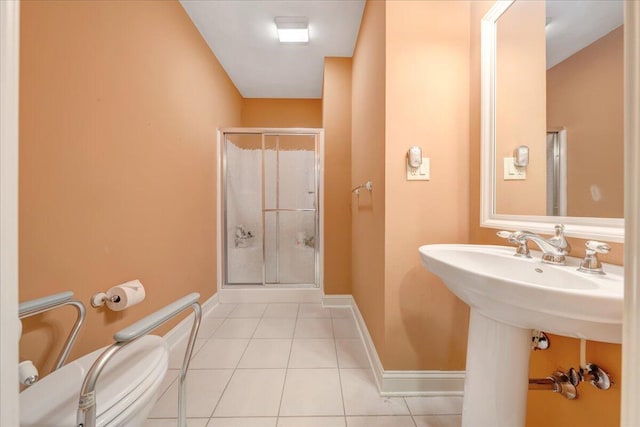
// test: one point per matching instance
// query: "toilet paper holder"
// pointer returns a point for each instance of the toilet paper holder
(99, 299)
(120, 297)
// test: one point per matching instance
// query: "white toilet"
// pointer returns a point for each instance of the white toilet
(126, 390)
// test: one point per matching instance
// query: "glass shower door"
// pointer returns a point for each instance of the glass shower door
(243, 209)
(290, 209)
(270, 209)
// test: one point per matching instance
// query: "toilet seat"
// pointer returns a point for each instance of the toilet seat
(129, 380)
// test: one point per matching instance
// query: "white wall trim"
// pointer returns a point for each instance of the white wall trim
(337, 300)
(630, 412)
(266, 295)
(219, 208)
(182, 329)
(320, 259)
(404, 383)
(9, 102)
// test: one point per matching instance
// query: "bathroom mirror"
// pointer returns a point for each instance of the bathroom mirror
(552, 80)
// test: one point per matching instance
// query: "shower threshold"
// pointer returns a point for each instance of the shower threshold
(271, 285)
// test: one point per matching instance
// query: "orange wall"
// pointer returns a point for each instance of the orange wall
(427, 90)
(282, 113)
(336, 121)
(594, 407)
(520, 107)
(585, 95)
(119, 106)
(368, 164)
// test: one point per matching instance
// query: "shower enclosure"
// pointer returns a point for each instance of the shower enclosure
(270, 206)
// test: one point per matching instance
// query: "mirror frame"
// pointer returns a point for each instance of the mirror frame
(608, 229)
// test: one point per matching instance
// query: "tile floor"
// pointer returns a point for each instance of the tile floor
(288, 365)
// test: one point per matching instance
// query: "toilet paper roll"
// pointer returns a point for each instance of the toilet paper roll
(126, 295)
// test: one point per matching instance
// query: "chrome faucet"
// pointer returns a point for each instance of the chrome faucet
(591, 264)
(554, 250)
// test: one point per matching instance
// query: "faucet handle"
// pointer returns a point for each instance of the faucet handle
(504, 234)
(597, 247)
(515, 237)
(591, 264)
(559, 240)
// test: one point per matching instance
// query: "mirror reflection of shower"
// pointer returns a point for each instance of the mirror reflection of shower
(557, 172)
(270, 200)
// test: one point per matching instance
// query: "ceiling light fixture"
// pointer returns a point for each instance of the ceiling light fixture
(292, 29)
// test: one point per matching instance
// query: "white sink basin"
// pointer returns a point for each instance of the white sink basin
(509, 296)
(526, 293)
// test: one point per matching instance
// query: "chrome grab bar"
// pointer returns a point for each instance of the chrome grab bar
(51, 302)
(87, 402)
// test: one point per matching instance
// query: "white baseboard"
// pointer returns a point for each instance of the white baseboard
(407, 383)
(422, 383)
(182, 329)
(270, 295)
(390, 383)
(337, 300)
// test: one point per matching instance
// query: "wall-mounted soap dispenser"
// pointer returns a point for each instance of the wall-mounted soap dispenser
(414, 157)
(521, 156)
(417, 166)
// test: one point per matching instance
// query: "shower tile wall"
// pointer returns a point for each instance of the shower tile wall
(296, 258)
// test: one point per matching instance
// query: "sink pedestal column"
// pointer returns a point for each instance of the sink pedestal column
(497, 374)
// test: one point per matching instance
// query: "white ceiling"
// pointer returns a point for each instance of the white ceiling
(242, 34)
(576, 24)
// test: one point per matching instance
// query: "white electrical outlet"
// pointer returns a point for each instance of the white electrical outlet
(513, 172)
(422, 173)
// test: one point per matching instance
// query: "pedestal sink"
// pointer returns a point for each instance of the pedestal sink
(509, 296)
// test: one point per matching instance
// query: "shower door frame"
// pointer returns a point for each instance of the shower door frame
(557, 186)
(222, 253)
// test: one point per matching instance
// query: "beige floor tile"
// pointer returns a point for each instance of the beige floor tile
(345, 328)
(220, 353)
(312, 392)
(281, 310)
(275, 328)
(313, 311)
(248, 310)
(252, 393)
(266, 353)
(313, 353)
(172, 422)
(361, 395)
(313, 328)
(351, 353)
(204, 388)
(380, 421)
(438, 420)
(436, 405)
(237, 328)
(243, 422)
(311, 422)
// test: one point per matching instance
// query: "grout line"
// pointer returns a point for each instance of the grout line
(170, 384)
(241, 356)
(286, 371)
(247, 346)
(335, 347)
(410, 412)
(230, 377)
